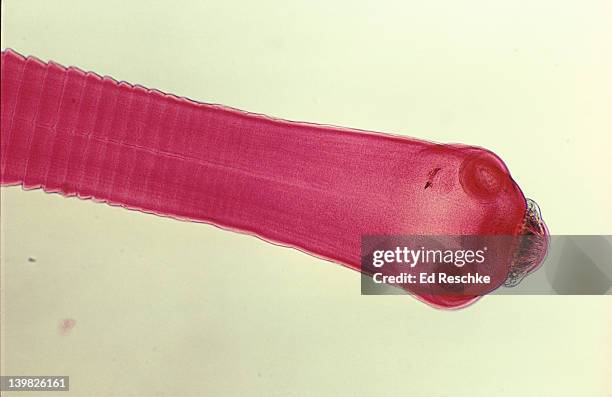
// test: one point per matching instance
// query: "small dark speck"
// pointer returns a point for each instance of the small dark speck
(31, 259)
(432, 174)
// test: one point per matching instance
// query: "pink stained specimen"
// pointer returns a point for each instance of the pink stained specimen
(312, 187)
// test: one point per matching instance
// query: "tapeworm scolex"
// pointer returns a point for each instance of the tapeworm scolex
(312, 187)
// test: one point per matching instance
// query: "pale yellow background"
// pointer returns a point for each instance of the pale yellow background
(169, 308)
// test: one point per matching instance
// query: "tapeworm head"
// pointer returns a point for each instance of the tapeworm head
(485, 178)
